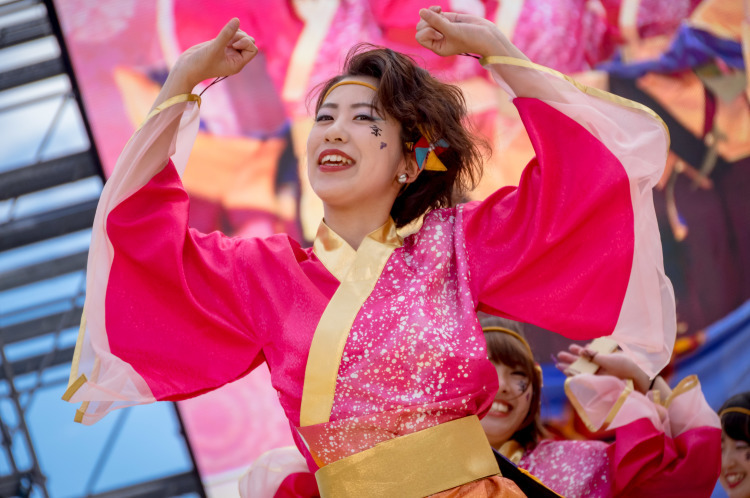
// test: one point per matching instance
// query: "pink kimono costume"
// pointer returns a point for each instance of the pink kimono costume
(373, 347)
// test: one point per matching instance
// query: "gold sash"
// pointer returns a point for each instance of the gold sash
(415, 465)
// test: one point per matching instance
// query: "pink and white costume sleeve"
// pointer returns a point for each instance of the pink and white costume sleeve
(611, 152)
(164, 317)
(121, 385)
(666, 447)
(279, 473)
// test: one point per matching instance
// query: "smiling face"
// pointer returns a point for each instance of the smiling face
(735, 467)
(511, 404)
(354, 151)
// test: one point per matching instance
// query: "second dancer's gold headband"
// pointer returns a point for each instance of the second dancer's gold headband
(512, 334)
(734, 409)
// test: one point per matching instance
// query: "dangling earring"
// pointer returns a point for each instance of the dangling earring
(402, 178)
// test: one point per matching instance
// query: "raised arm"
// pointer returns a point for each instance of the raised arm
(223, 56)
(575, 248)
(450, 33)
(164, 316)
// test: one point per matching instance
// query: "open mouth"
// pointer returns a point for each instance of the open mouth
(500, 408)
(333, 159)
(734, 479)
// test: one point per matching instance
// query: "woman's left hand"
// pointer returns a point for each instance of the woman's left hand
(450, 33)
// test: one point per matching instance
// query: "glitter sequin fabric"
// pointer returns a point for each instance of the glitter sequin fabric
(415, 356)
(571, 468)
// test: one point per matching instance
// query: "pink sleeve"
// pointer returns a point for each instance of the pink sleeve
(646, 462)
(575, 248)
(166, 314)
(179, 304)
(557, 250)
(662, 447)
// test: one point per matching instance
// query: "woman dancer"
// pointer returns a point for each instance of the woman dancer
(666, 442)
(735, 446)
(372, 339)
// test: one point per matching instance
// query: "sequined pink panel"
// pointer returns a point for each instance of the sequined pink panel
(415, 356)
(571, 468)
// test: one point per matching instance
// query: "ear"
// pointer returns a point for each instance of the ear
(410, 168)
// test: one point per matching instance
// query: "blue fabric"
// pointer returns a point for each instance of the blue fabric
(722, 364)
(421, 154)
(554, 399)
(691, 48)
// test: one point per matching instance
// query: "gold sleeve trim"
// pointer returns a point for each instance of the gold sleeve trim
(416, 465)
(75, 386)
(78, 418)
(688, 383)
(177, 99)
(612, 412)
(329, 339)
(594, 92)
(77, 352)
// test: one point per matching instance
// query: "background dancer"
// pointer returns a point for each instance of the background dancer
(666, 442)
(735, 446)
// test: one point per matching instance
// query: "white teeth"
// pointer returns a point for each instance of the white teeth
(335, 159)
(734, 478)
(500, 407)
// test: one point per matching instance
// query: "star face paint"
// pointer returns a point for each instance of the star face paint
(383, 145)
(510, 406)
(523, 384)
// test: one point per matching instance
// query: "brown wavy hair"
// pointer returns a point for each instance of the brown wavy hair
(506, 349)
(414, 98)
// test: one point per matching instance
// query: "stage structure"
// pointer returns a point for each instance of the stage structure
(48, 196)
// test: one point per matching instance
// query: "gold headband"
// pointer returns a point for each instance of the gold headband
(518, 336)
(350, 82)
(734, 409)
(513, 334)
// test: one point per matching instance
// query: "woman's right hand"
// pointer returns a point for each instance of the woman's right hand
(225, 55)
(617, 364)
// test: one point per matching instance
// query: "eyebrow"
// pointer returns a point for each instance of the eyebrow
(333, 105)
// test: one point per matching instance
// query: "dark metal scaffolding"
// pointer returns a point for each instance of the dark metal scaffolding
(23, 232)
